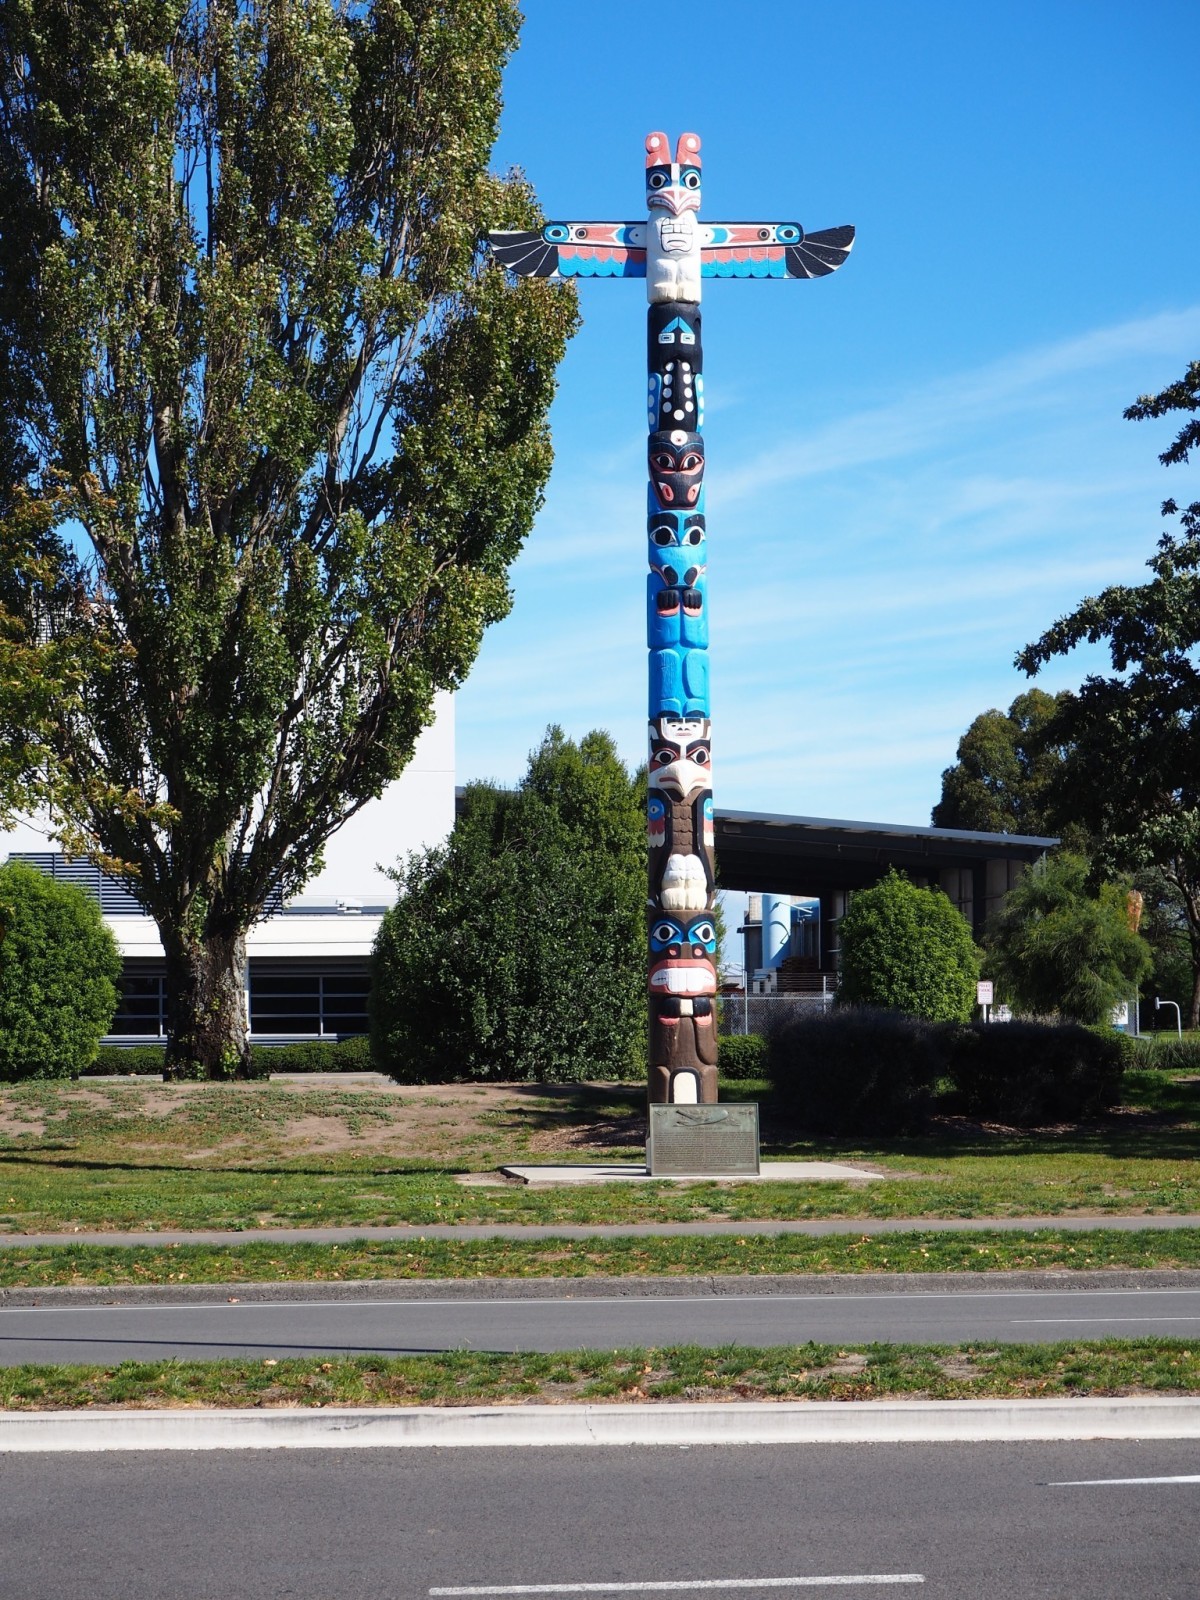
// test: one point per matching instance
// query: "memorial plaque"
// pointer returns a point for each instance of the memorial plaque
(696, 1141)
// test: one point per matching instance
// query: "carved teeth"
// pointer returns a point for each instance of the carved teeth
(680, 978)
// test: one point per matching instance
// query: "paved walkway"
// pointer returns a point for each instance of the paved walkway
(817, 1229)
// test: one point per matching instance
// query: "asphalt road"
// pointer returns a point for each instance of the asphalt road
(958, 1522)
(945, 1315)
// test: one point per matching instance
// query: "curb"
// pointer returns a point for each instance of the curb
(662, 1424)
(665, 1287)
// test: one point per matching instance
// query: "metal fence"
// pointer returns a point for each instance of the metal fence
(757, 1013)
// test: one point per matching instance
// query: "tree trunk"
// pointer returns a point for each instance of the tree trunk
(208, 1033)
(1194, 1016)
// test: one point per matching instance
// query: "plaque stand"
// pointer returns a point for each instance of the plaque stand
(703, 1141)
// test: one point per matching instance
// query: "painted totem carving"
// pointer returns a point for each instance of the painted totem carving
(674, 252)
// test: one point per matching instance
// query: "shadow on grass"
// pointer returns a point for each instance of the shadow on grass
(947, 1138)
(279, 1170)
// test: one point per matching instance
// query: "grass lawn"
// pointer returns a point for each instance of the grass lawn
(786, 1372)
(261, 1261)
(100, 1155)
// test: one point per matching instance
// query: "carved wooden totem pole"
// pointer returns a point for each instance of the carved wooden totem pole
(674, 251)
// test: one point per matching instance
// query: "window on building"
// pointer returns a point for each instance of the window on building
(294, 999)
(306, 1000)
(141, 1010)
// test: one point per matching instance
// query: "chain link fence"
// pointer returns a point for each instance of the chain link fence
(758, 1013)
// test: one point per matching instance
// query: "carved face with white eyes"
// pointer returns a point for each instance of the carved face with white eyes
(676, 461)
(673, 186)
(682, 951)
(678, 547)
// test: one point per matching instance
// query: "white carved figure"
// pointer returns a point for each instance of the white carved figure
(673, 235)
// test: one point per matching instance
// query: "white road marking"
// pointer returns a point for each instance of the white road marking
(843, 1580)
(1089, 1483)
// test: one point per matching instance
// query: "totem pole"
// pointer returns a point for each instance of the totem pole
(673, 251)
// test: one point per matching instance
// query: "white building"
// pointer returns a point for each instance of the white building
(307, 961)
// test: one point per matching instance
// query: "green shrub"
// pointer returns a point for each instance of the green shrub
(120, 1061)
(1167, 1052)
(314, 1055)
(517, 952)
(909, 950)
(857, 1071)
(742, 1055)
(59, 970)
(1030, 1073)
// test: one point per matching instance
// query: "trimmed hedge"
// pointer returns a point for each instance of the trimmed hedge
(859, 1070)
(313, 1055)
(741, 1056)
(119, 1061)
(1027, 1073)
(862, 1071)
(316, 1055)
(59, 969)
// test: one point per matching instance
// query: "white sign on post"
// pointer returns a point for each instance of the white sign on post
(983, 992)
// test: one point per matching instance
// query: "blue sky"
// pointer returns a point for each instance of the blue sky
(914, 466)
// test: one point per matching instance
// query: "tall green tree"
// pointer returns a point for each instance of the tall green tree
(279, 426)
(1132, 768)
(518, 950)
(1002, 778)
(1057, 947)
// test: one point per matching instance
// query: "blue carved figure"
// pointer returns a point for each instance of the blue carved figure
(679, 682)
(676, 592)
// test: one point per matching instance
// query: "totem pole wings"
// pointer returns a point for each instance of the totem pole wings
(672, 250)
(727, 250)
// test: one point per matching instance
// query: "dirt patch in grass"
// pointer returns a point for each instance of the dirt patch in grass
(210, 1123)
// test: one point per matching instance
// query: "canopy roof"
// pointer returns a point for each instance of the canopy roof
(810, 855)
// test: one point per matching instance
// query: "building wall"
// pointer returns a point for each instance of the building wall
(413, 813)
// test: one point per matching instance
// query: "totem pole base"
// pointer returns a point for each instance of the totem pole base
(703, 1141)
(683, 1086)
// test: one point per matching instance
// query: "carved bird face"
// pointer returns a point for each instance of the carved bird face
(680, 759)
(673, 186)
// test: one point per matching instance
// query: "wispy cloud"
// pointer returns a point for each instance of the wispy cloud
(871, 580)
(931, 416)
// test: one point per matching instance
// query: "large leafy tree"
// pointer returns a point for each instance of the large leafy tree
(1132, 770)
(1059, 947)
(1002, 778)
(517, 951)
(277, 428)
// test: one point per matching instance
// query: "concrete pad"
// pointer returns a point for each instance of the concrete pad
(632, 1172)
